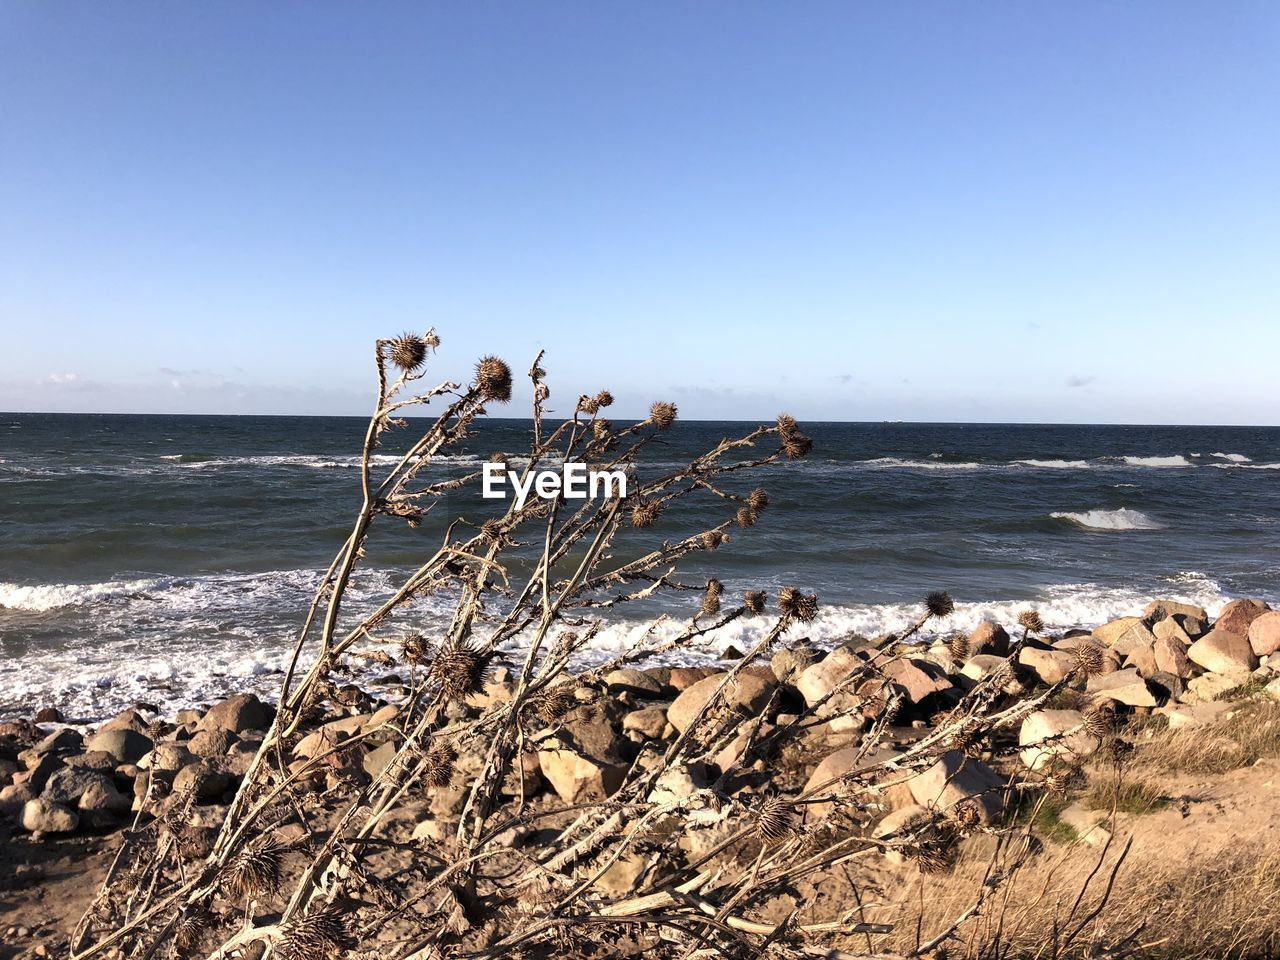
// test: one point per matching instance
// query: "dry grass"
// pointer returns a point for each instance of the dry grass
(1249, 734)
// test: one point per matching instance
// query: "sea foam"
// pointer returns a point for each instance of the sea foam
(1121, 519)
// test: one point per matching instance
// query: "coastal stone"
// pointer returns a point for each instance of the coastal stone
(14, 797)
(1220, 651)
(1210, 686)
(1049, 666)
(1047, 734)
(1109, 633)
(376, 760)
(748, 694)
(634, 682)
(1159, 610)
(1171, 656)
(683, 677)
(167, 757)
(102, 797)
(123, 743)
(789, 663)
(622, 875)
(211, 743)
(577, 778)
(837, 764)
(69, 784)
(1136, 638)
(916, 679)
(244, 711)
(648, 722)
(956, 778)
(44, 767)
(679, 782)
(60, 741)
(1272, 690)
(204, 779)
(1264, 633)
(731, 653)
(818, 680)
(48, 715)
(1142, 659)
(1085, 823)
(982, 666)
(185, 718)
(1166, 686)
(1238, 615)
(47, 816)
(94, 760)
(1125, 686)
(1171, 629)
(1185, 716)
(125, 720)
(989, 637)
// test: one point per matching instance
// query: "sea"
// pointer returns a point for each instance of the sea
(170, 559)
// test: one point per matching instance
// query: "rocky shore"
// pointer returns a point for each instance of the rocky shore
(68, 791)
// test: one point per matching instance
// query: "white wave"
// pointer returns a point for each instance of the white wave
(1174, 461)
(1233, 457)
(1121, 519)
(898, 463)
(1246, 466)
(1055, 464)
(42, 597)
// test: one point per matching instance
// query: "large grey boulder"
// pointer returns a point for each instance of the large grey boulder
(126, 745)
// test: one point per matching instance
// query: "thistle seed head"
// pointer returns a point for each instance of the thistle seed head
(1098, 723)
(192, 925)
(958, 646)
(1089, 658)
(644, 513)
(409, 351)
(604, 399)
(493, 379)
(711, 597)
(802, 606)
(1117, 750)
(712, 539)
(966, 813)
(939, 604)
(460, 671)
(758, 499)
(588, 404)
(439, 764)
(753, 601)
(773, 820)
(662, 414)
(555, 702)
(787, 425)
(746, 517)
(318, 936)
(415, 648)
(254, 872)
(796, 446)
(1031, 621)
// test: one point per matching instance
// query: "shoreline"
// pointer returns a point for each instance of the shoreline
(67, 793)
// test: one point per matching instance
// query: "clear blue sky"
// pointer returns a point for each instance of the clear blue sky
(856, 211)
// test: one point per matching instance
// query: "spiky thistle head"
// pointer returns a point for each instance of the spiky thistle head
(604, 399)
(958, 646)
(415, 648)
(758, 499)
(753, 602)
(932, 857)
(460, 671)
(491, 531)
(662, 414)
(966, 813)
(192, 924)
(1117, 750)
(787, 425)
(1098, 723)
(320, 935)
(939, 604)
(255, 871)
(439, 763)
(644, 512)
(1031, 621)
(796, 446)
(588, 404)
(409, 350)
(746, 517)
(773, 820)
(711, 597)
(493, 379)
(793, 603)
(554, 702)
(711, 539)
(1089, 658)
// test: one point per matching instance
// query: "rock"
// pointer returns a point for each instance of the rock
(1166, 686)
(901, 821)
(1220, 651)
(956, 778)
(1054, 733)
(1272, 690)
(125, 744)
(679, 782)
(981, 666)
(683, 677)
(46, 816)
(329, 735)
(1210, 686)
(648, 722)
(1264, 633)
(167, 757)
(125, 720)
(1183, 716)
(746, 693)
(241, 712)
(622, 876)
(1142, 659)
(65, 740)
(1109, 633)
(633, 682)
(1171, 655)
(577, 778)
(1085, 823)
(211, 743)
(1049, 666)
(731, 653)
(94, 760)
(818, 680)
(102, 797)
(14, 797)
(48, 715)
(788, 664)
(69, 784)
(917, 679)
(208, 781)
(1136, 638)
(1171, 629)
(1159, 610)
(990, 638)
(1125, 686)
(1238, 615)
(46, 765)
(376, 760)
(186, 718)
(837, 764)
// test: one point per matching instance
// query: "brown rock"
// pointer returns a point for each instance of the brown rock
(1171, 657)
(746, 693)
(1264, 633)
(1158, 610)
(917, 679)
(1051, 733)
(1049, 666)
(1170, 629)
(241, 712)
(1135, 638)
(683, 677)
(46, 816)
(956, 778)
(837, 764)
(1109, 633)
(1237, 615)
(818, 680)
(989, 637)
(1220, 651)
(1126, 686)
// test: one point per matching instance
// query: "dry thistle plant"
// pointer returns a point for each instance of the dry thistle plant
(313, 858)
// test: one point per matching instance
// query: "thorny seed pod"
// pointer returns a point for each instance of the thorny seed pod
(588, 404)
(939, 604)
(415, 648)
(439, 763)
(662, 414)
(753, 602)
(555, 702)
(966, 813)
(787, 425)
(711, 597)
(255, 870)
(796, 445)
(746, 517)
(318, 936)
(1098, 723)
(758, 499)
(792, 602)
(498, 458)
(1089, 658)
(644, 513)
(712, 539)
(493, 379)
(773, 820)
(192, 924)
(958, 646)
(491, 531)
(1031, 621)
(932, 858)
(604, 399)
(461, 672)
(409, 351)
